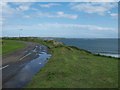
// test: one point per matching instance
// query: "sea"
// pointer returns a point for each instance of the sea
(107, 47)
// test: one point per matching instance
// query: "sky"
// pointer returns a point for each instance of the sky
(60, 19)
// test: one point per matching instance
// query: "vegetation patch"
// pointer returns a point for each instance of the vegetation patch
(9, 46)
(71, 67)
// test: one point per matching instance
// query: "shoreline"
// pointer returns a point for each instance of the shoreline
(94, 50)
(109, 55)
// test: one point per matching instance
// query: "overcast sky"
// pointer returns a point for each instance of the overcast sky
(60, 19)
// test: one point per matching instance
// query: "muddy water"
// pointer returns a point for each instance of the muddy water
(27, 72)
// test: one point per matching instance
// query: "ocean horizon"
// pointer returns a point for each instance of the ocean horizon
(102, 46)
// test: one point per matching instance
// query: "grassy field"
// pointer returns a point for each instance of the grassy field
(9, 46)
(70, 67)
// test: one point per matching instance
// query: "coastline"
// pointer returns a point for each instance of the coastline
(109, 55)
(92, 51)
(112, 55)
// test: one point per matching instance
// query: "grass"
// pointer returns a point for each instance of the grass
(70, 67)
(9, 46)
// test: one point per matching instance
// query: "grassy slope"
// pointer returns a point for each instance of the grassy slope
(9, 46)
(72, 68)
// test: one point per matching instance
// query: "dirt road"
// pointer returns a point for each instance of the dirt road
(13, 57)
(14, 62)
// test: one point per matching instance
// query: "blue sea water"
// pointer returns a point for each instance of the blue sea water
(108, 47)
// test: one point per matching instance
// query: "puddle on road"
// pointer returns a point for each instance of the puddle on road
(26, 73)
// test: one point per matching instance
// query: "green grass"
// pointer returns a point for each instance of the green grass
(70, 67)
(9, 46)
